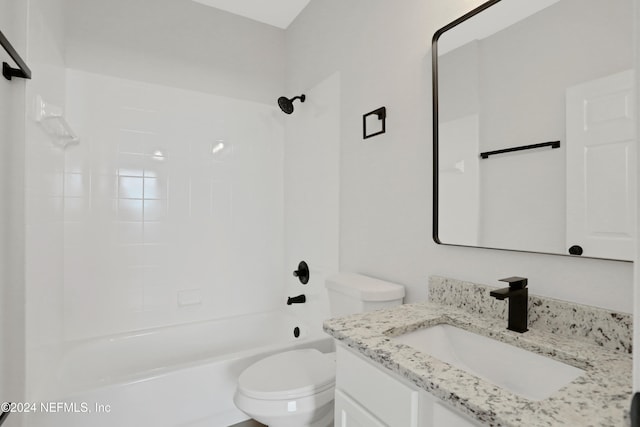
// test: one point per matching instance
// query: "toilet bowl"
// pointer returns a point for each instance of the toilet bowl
(290, 389)
(296, 388)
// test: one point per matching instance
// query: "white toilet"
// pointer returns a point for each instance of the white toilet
(296, 388)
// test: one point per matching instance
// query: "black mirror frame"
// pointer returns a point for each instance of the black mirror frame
(434, 98)
(434, 81)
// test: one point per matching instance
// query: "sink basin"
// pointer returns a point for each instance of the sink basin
(519, 371)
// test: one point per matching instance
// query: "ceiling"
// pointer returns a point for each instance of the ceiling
(279, 13)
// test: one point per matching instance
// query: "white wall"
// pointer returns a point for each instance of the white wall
(13, 19)
(177, 43)
(382, 51)
(43, 190)
(172, 205)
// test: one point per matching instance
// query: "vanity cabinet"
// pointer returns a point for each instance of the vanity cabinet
(368, 395)
(350, 413)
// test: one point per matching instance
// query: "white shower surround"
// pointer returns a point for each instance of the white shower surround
(173, 207)
(128, 349)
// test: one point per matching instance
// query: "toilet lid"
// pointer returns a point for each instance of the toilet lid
(288, 375)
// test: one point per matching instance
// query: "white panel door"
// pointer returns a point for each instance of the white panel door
(601, 167)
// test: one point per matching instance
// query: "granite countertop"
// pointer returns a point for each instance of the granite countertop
(600, 397)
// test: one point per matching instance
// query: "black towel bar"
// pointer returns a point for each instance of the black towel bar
(9, 72)
(552, 144)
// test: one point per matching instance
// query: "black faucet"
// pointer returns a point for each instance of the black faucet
(296, 300)
(518, 295)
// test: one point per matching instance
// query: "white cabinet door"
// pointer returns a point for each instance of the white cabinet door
(601, 167)
(366, 396)
(389, 400)
(349, 414)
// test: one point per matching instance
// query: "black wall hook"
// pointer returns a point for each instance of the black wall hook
(302, 273)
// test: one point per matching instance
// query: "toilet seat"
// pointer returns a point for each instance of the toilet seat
(289, 375)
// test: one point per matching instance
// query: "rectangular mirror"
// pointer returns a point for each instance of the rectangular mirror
(534, 128)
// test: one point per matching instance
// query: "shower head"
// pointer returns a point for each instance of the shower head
(286, 104)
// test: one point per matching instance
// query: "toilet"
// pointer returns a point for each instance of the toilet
(296, 388)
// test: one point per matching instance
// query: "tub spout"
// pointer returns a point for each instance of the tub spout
(297, 300)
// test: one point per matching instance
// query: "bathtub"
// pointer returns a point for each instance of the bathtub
(181, 376)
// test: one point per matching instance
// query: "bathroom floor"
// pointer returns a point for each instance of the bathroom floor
(250, 423)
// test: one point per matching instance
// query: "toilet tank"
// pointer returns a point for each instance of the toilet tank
(355, 293)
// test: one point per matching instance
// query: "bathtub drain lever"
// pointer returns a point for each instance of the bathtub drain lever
(297, 300)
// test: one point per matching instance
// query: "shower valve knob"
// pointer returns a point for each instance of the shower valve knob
(302, 273)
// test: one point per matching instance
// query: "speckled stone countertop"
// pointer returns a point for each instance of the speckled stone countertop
(600, 397)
